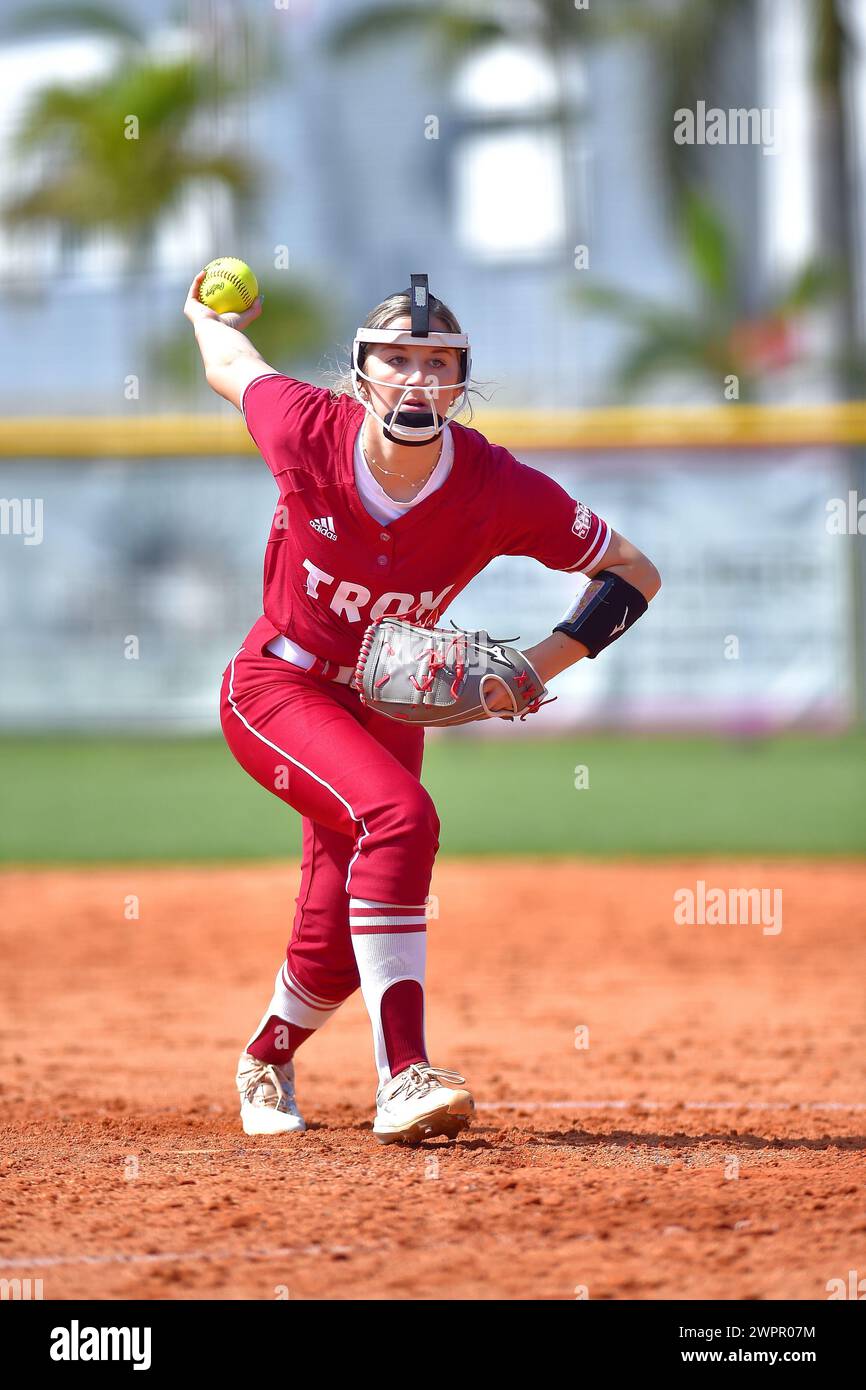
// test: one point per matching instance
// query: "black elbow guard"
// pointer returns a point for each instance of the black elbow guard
(603, 612)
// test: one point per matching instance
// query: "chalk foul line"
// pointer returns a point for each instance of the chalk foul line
(843, 1106)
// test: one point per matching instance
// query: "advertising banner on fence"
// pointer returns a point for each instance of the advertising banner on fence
(142, 578)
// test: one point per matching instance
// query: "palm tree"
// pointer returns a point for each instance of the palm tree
(827, 280)
(91, 177)
(715, 338)
(684, 38)
(67, 19)
(96, 170)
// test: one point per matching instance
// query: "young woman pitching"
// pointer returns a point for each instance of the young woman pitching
(386, 510)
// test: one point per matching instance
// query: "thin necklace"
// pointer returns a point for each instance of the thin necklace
(393, 474)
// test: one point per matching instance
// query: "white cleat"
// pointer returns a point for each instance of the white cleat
(415, 1105)
(267, 1092)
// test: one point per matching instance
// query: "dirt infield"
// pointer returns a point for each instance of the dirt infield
(707, 1142)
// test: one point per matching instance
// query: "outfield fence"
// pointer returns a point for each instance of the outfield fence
(131, 554)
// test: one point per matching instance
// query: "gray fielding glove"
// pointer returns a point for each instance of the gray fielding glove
(428, 675)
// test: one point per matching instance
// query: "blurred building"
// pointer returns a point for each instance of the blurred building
(377, 164)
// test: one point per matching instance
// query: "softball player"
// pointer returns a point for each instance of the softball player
(386, 508)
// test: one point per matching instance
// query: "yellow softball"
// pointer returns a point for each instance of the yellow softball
(229, 286)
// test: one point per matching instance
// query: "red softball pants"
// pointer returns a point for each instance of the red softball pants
(370, 830)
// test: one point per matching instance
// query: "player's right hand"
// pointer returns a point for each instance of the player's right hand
(195, 310)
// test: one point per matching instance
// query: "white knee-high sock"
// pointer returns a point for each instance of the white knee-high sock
(390, 943)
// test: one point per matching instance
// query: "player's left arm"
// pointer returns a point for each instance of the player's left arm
(536, 516)
(624, 559)
(559, 651)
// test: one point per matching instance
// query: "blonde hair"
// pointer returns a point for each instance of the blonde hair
(394, 307)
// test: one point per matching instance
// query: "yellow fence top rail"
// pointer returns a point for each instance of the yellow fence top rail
(620, 427)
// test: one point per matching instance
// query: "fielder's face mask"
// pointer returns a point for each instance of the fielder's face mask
(413, 426)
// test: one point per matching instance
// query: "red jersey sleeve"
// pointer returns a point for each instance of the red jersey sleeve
(537, 517)
(284, 417)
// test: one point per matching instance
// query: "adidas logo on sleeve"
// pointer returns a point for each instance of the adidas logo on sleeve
(325, 526)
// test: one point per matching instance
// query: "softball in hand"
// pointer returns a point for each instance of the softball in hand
(229, 286)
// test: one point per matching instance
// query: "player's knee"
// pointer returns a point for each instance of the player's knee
(420, 817)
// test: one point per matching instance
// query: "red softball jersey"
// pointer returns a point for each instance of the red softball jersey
(331, 568)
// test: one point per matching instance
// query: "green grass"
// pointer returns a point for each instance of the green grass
(79, 800)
